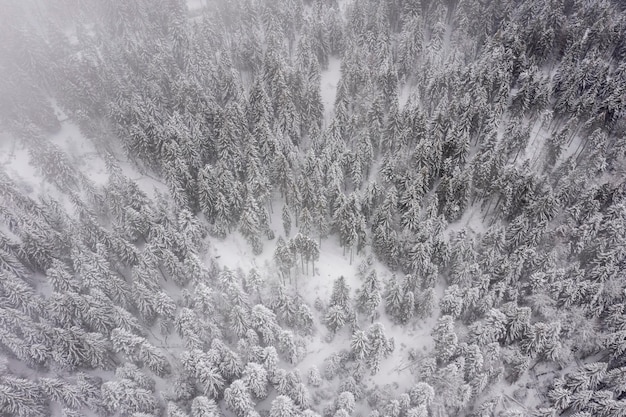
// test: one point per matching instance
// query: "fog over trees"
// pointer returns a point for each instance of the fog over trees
(312, 208)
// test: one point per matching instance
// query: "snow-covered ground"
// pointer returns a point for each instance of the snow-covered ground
(195, 5)
(82, 152)
(472, 221)
(330, 79)
(234, 253)
(15, 161)
(404, 95)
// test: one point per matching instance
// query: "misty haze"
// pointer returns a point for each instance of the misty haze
(312, 208)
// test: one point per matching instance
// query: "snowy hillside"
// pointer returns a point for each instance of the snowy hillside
(312, 208)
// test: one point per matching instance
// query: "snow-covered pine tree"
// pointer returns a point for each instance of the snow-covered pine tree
(238, 399)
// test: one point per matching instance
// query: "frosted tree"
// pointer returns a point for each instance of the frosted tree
(393, 298)
(255, 378)
(204, 407)
(345, 401)
(283, 406)
(154, 359)
(340, 295)
(188, 327)
(62, 392)
(314, 377)
(359, 345)
(304, 320)
(306, 221)
(284, 305)
(492, 329)
(239, 319)
(21, 397)
(286, 217)
(20, 295)
(133, 373)
(369, 297)
(474, 361)
(289, 346)
(250, 224)
(253, 283)
(285, 257)
(227, 361)
(173, 410)
(270, 363)
(335, 318)
(379, 347)
(60, 278)
(237, 398)
(308, 250)
(452, 301)
(126, 342)
(349, 221)
(408, 307)
(264, 322)
(126, 397)
(203, 369)
(446, 340)
(300, 395)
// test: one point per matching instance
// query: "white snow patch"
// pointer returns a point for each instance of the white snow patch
(403, 96)
(536, 144)
(472, 220)
(80, 150)
(193, 5)
(234, 252)
(329, 79)
(15, 160)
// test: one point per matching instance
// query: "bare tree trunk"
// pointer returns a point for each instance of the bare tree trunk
(498, 203)
(161, 272)
(487, 210)
(571, 137)
(582, 147)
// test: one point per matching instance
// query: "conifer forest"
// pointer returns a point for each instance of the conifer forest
(312, 208)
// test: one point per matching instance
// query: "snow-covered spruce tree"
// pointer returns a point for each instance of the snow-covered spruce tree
(255, 377)
(393, 299)
(369, 296)
(283, 406)
(359, 345)
(314, 377)
(446, 339)
(204, 407)
(284, 257)
(238, 399)
(308, 250)
(378, 346)
(264, 322)
(286, 217)
(335, 318)
(501, 115)
(340, 311)
(250, 223)
(126, 397)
